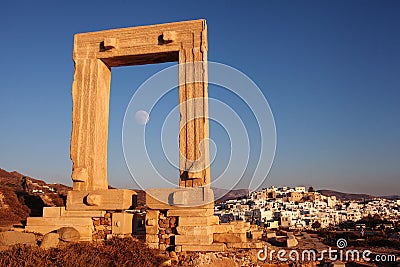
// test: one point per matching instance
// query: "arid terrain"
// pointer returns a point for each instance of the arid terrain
(22, 196)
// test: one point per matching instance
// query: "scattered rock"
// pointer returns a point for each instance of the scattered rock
(50, 240)
(9, 238)
(338, 264)
(174, 257)
(271, 234)
(4, 228)
(291, 241)
(167, 263)
(68, 234)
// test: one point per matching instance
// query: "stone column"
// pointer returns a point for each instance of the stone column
(90, 97)
(193, 100)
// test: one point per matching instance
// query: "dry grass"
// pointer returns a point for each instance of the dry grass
(115, 252)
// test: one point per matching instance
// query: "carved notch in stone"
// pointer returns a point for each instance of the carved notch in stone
(92, 200)
(168, 37)
(108, 43)
(79, 175)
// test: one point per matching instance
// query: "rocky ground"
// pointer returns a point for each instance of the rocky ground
(114, 252)
(61, 249)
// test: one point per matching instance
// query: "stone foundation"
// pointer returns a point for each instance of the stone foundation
(85, 212)
(173, 227)
(102, 227)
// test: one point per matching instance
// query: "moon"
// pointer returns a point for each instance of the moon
(142, 117)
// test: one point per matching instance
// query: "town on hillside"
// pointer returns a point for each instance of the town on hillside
(301, 209)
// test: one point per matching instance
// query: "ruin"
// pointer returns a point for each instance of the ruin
(180, 218)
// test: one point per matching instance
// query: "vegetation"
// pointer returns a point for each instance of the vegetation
(373, 221)
(316, 225)
(114, 252)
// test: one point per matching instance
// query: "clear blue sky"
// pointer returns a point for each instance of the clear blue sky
(329, 69)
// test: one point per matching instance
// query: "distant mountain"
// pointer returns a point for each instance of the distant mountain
(222, 195)
(344, 196)
(22, 196)
(392, 197)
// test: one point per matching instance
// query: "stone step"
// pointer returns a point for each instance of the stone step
(190, 212)
(245, 245)
(224, 228)
(61, 212)
(200, 248)
(45, 225)
(198, 221)
(193, 239)
(256, 234)
(230, 238)
(195, 230)
(79, 221)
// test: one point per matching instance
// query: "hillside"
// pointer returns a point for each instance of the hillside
(345, 196)
(222, 195)
(22, 196)
(391, 197)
